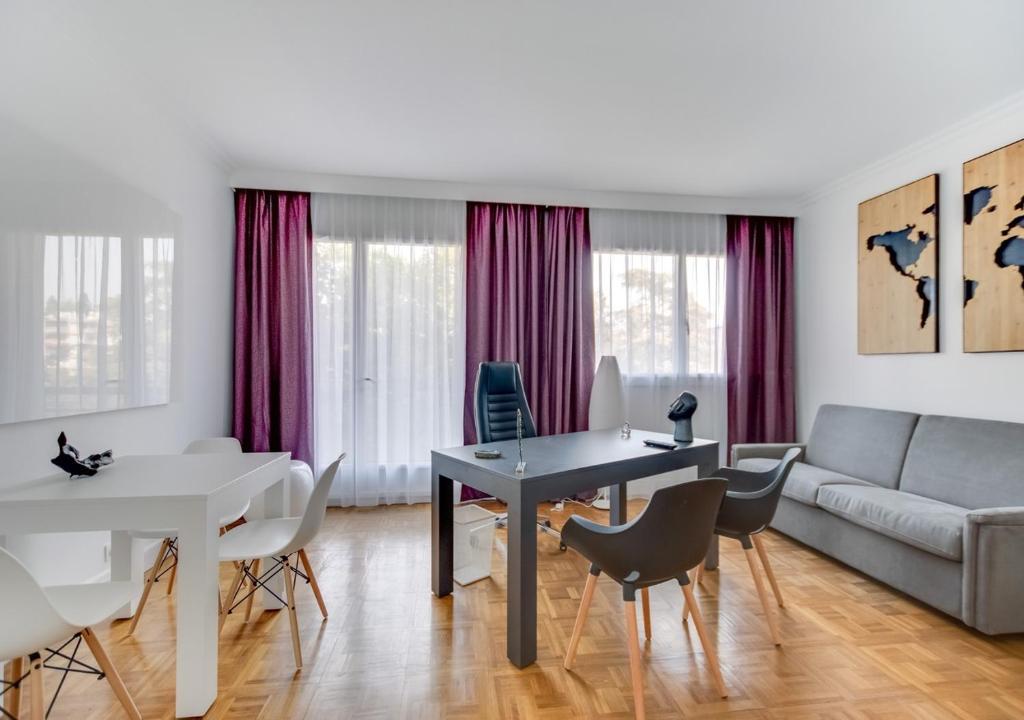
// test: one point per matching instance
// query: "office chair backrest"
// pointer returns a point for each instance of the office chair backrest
(672, 534)
(498, 394)
(205, 446)
(28, 622)
(316, 508)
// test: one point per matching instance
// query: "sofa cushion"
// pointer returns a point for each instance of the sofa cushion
(973, 463)
(804, 480)
(927, 524)
(861, 442)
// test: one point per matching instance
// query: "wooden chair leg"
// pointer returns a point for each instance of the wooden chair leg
(762, 553)
(702, 633)
(289, 586)
(645, 602)
(13, 670)
(308, 567)
(769, 611)
(698, 574)
(148, 584)
(255, 570)
(698, 578)
(634, 660)
(116, 684)
(581, 619)
(35, 686)
(229, 599)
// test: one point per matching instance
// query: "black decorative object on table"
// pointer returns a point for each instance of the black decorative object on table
(70, 460)
(680, 412)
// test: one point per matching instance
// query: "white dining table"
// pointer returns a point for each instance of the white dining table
(186, 492)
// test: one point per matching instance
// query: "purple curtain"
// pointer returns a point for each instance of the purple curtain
(273, 408)
(759, 329)
(530, 299)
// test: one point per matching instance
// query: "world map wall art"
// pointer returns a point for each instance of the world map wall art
(897, 268)
(994, 251)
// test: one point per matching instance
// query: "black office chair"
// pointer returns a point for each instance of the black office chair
(498, 393)
(748, 508)
(668, 539)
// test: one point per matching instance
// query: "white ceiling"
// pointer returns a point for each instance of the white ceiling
(746, 98)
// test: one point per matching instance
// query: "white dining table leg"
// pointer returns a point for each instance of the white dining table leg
(126, 563)
(273, 503)
(197, 612)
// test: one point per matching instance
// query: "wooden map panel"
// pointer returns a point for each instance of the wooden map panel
(994, 251)
(897, 270)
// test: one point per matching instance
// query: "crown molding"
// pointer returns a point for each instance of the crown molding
(1006, 108)
(446, 190)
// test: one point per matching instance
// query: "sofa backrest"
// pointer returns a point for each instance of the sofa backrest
(965, 462)
(866, 443)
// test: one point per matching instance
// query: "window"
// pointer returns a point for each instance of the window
(705, 314)
(660, 313)
(390, 345)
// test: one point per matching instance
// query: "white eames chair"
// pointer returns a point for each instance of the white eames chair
(168, 552)
(284, 541)
(48, 626)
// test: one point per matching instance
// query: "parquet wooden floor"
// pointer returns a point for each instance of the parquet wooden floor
(853, 648)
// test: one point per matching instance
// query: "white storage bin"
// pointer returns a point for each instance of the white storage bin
(473, 540)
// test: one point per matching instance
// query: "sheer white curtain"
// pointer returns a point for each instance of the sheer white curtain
(659, 305)
(390, 341)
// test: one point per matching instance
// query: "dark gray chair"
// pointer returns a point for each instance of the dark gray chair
(667, 540)
(748, 508)
(497, 394)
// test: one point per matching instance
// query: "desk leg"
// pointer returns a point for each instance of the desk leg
(441, 534)
(521, 621)
(197, 613)
(617, 514)
(705, 469)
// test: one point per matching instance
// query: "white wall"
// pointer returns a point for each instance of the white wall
(828, 367)
(69, 112)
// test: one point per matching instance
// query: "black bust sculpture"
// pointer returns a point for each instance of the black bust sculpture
(680, 412)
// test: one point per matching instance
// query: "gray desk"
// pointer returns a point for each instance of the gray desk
(556, 466)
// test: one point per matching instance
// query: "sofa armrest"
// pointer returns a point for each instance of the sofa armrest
(997, 516)
(764, 450)
(993, 588)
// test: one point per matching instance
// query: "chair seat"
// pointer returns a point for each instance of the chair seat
(89, 604)
(234, 514)
(929, 525)
(804, 480)
(260, 538)
(601, 545)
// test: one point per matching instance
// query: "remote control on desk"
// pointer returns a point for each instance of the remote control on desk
(660, 445)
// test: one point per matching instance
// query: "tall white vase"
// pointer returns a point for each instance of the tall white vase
(607, 407)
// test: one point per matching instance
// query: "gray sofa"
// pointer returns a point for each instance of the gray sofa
(931, 505)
